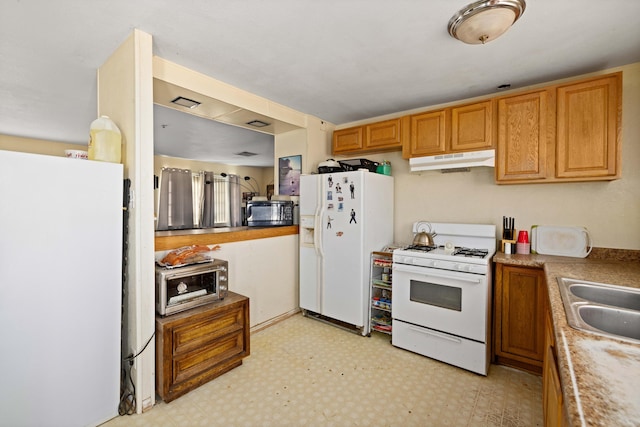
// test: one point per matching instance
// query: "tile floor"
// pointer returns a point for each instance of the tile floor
(303, 372)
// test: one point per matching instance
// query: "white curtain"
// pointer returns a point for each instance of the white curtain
(221, 201)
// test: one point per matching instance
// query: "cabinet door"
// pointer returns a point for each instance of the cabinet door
(552, 392)
(520, 315)
(345, 140)
(428, 134)
(588, 127)
(523, 135)
(383, 135)
(472, 127)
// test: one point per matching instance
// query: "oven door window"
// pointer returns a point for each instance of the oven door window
(191, 286)
(448, 297)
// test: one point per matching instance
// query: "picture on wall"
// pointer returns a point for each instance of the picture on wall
(289, 177)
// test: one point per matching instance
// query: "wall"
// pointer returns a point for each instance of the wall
(610, 210)
(262, 175)
(125, 93)
(266, 271)
(38, 146)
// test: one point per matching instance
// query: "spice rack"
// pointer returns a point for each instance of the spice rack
(380, 306)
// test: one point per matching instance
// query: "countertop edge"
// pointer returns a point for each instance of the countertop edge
(175, 240)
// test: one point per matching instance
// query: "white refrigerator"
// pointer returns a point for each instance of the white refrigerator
(344, 217)
(60, 290)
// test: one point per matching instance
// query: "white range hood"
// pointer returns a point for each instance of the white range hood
(453, 161)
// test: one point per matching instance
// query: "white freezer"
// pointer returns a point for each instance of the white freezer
(343, 218)
(60, 287)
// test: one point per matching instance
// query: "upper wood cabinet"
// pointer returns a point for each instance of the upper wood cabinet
(567, 132)
(374, 137)
(523, 135)
(588, 128)
(428, 134)
(455, 129)
(472, 126)
(346, 140)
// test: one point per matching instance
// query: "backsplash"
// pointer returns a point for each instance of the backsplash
(615, 254)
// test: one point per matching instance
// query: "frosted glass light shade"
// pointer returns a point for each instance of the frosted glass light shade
(485, 20)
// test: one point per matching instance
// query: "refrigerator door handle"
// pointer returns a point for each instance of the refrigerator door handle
(317, 235)
(319, 213)
(316, 230)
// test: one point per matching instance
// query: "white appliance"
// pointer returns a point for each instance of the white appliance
(465, 159)
(442, 295)
(60, 290)
(344, 217)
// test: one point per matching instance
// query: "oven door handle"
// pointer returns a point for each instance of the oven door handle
(426, 271)
(436, 334)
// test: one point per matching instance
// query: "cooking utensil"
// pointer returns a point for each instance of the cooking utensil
(424, 237)
(508, 228)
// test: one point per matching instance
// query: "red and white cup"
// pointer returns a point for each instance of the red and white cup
(522, 245)
(523, 236)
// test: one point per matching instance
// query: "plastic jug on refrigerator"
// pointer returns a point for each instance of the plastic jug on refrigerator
(105, 141)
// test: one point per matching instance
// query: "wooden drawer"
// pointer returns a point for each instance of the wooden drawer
(200, 332)
(200, 344)
(207, 357)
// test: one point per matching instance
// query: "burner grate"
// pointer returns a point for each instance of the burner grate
(471, 252)
(421, 248)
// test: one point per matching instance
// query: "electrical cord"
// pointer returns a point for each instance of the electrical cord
(127, 405)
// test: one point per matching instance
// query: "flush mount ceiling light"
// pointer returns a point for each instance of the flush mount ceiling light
(485, 20)
(258, 123)
(186, 102)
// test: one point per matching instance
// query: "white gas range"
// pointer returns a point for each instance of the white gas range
(442, 295)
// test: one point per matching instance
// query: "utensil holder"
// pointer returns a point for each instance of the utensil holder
(513, 244)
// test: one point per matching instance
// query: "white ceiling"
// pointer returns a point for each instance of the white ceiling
(339, 60)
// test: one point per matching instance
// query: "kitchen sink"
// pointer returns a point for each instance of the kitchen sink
(608, 295)
(601, 308)
(623, 323)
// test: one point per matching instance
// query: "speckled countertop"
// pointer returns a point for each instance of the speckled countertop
(600, 376)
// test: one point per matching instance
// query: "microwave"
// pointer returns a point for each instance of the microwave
(182, 288)
(266, 213)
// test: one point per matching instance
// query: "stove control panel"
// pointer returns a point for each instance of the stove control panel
(463, 267)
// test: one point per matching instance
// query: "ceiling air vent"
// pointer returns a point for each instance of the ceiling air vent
(185, 102)
(246, 154)
(258, 123)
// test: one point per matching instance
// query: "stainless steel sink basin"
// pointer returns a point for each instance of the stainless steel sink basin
(623, 323)
(608, 295)
(602, 308)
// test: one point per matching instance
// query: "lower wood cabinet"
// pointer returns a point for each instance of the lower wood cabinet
(520, 301)
(200, 344)
(552, 400)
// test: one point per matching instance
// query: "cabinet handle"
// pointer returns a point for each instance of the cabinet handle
(437, 335)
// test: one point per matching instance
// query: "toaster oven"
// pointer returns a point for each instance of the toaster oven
(182, 288)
